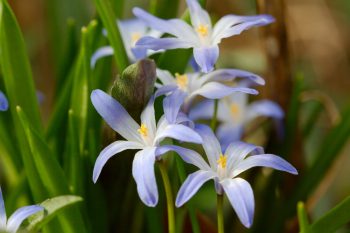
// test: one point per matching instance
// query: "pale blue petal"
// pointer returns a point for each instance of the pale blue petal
(20, 215)
(143, 173)
(230, 25)
(3, 217)
(224, 75)
(203, 110)
(166, 77)
(265, 108)
(206, 57)
(178, 132)
(130, 26)
(237, 151)
(198, 15)
(215, 90)
(148, 117)
(265, 160)
(163, 90)
(172, 104)
(183, 119)
(189, 156)
(111, 150)
(100, 53)
(228, 133)
(238, 29)
(194, 65)
(240, 194)
(139, 53)
(115, 115)
(191, 185)
(163, 43)
(210, 144)
(175, 27)
(4, 104)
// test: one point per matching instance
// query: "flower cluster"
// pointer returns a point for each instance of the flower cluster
(187, 98)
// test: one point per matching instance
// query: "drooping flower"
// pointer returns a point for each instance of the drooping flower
(145, 138)
(131, 31)
(234, 112)
(201, 35)
(12, 224)
(182, 89)
(224, 168)
(4, 104)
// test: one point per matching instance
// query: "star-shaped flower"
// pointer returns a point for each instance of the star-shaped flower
(224, 168)
(201, 35)
(145, 138)
(182, 89)
(131, 31)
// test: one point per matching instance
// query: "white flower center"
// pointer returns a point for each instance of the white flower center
(135, 36)
(202, 30)
(235, 111)
(221, 166)
(181, 81)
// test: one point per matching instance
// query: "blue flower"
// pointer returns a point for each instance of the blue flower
(145, 138)
(131, 31)
(4, 104)
(201, 35)
(12, 224)
(182, 89)
(234, 113)
(224, 168)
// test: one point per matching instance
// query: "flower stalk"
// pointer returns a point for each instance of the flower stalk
(169, 196)
(220, 215)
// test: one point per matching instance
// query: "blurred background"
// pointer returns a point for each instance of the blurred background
(315, 43)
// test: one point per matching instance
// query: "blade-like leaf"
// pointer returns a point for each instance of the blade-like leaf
(15, 67)
(302, 217)
(104, 8)
(49, 172)
(52, 207)
(333, 219)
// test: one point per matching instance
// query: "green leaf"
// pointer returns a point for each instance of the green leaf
(334, 219)
(104, 8)
(50, 173)
(52, 206)
(325, 156)
(15, 67)
(302, 217)
(67, 57)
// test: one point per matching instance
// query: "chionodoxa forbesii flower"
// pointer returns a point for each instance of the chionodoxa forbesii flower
(12, 224)
(201, 35)
(182, 89)
(224, 168)
(234, 112)
(131, 31)
(145, 138)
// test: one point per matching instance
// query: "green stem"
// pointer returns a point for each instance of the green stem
(220, 201)
(214, 119)
(191, 211)
(169, 197)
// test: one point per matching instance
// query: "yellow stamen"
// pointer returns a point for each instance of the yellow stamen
(135, 37)
(222, 161)
(181, 80)
(234, 108)
(143, 130)
(202, 30)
